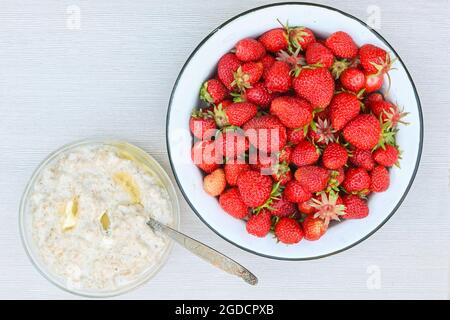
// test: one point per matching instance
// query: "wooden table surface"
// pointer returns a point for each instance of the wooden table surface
(76, 69)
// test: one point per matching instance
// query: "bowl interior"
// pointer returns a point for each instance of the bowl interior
(200, 66)
(25, 217)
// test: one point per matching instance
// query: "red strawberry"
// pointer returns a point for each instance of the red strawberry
(254, 188)
(267, 62)
(247, 75)
(249, 50)
(266, 133)
(274, 40)
(295, 136)
(282, 207)
(231, 143)
(288, 231)
(226, 68)
(342, 45)
(294, 192)
(259, 95)
(204, 156)
(315, 85)
(233, 171)
(353, 79)
(214, 183)
(323, 133)
(231, 202)
(343, 108)
(373, 97)
(318, 53)
(301, 37)
(373, 82)
(388, 112)
(306, 208)
(379, 179)
(277, 78)
(312, 178)
(374, 60)
(313, 228)
(285, 154)
(202, 125)
(236, 114)
(355, 207)
(363, 159)
(334, 156)
(283, 175)
(263, 162)
(259, 224)
(363, 132)
(213, 91)
(357, 180)
(386, 157)
(305, 153)
(292, 112)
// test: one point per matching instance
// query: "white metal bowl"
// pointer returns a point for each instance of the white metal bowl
(200, 65)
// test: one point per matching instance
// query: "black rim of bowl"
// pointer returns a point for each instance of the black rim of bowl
(399, 60)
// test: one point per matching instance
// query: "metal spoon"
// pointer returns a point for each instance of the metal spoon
(206, 253)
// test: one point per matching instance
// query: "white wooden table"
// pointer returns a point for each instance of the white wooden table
(73, 69)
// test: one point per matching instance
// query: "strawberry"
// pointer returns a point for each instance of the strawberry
(319, 54)
(328, 207)
(373, 97)
(274, 40)
(294, 192)
(357, 180)
(282, 175)
(355, 207)
(312, 178)
(249, 50)
(315, 85)
(277, 78)
(233, 171)
(231, 143)
(267, 62)
(259, 224)
(295, 136)
(301, 37)
(364, 131)
(255, 189)
(285, 154)
(353, 79)
(386, 157)
(213, 91)
(231, 202)
(322, 133)
(363, 159)
(379, 178)
(292, 112)
(342, 45)
(388, 112)
(236, 114)
(343, 108)
(305, 153)
(313, 228)
(259, 95)
(204, 156)
(334, 156)
(373, 83)
(282, 207)
(266, 133)
(288, 231)
(202, 124)
(374, 60)
(214, 183)
(247, 75)
(305, 207)
(226, 68)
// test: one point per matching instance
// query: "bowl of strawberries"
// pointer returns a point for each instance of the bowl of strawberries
(287, 128)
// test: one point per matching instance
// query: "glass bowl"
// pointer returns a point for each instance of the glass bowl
(132, 152)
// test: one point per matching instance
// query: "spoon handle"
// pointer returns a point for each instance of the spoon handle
(205, 252)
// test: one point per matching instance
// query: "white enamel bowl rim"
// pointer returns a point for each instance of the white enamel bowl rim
(413, 162)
